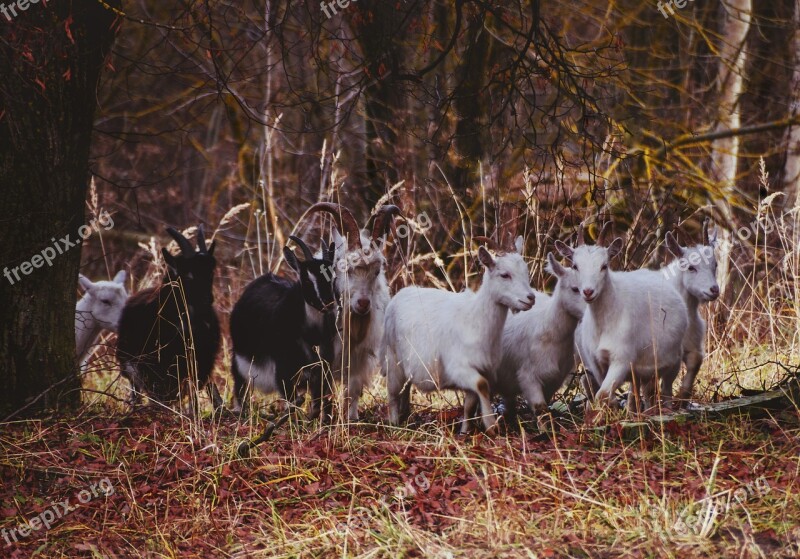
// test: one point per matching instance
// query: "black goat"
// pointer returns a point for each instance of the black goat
(275, 325)
(169, 335)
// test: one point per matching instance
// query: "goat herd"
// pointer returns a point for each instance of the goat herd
(339, 322)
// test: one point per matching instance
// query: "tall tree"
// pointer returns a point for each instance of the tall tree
(730, 85)
(791, 169)
(51, 57)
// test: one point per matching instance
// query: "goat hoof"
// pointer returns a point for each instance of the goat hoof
(243, 449)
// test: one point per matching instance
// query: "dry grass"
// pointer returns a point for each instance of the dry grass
(726, 488)
(368, 490)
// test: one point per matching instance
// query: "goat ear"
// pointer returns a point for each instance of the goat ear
(486, 258)
(290, 257)
(712, 237)
(554, 267)
(519, 242)
(338, 240)
(121, 277)
(673, 245)
(85, 282)
(565, 250)
(331, 251)
(614, 248)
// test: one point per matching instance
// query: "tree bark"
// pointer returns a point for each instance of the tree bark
(378, 30)
(730, 85)
(791, 169)
(51, 57)
(470, 105)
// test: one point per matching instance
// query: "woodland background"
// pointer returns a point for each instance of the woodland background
(486, 115)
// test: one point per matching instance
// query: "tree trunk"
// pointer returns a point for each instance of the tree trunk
(730, 85)
(378, 32)
(791, 169)
(470, 105)
(50, 59)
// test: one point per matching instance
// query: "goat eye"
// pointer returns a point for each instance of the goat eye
(604, 267)
(692, 269)
(576, 290)
(106, 302)
(505, 275)
(575, 267)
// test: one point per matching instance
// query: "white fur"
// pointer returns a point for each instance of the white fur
(631, 325)
(360, 276)
(538, 345)
(260, 375)
(99, 309)
(437, 339)
(693, 276)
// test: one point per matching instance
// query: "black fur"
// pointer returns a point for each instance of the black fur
(160, 325)
(269, 322)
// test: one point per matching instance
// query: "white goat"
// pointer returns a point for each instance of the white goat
(538, 345)
(694, 276)
(437, 339)
(363, 292)
(99, 309)
(632, 324)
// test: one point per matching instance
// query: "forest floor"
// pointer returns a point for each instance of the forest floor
(156, 483)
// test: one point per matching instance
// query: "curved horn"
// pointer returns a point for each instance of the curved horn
(344, 219)
(201, 240)
(183, 242)
(487, 241)
(382, 220)
(306, 251)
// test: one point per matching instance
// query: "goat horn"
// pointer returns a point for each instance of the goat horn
(201, 240)
(345, 220)
(183, 242)
(580, 235)
(383, 219)
(704, 237)
(486, 240)
(508, 242)
(601, 238)
(306, 251)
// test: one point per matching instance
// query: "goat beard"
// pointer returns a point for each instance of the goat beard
(356, 326)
